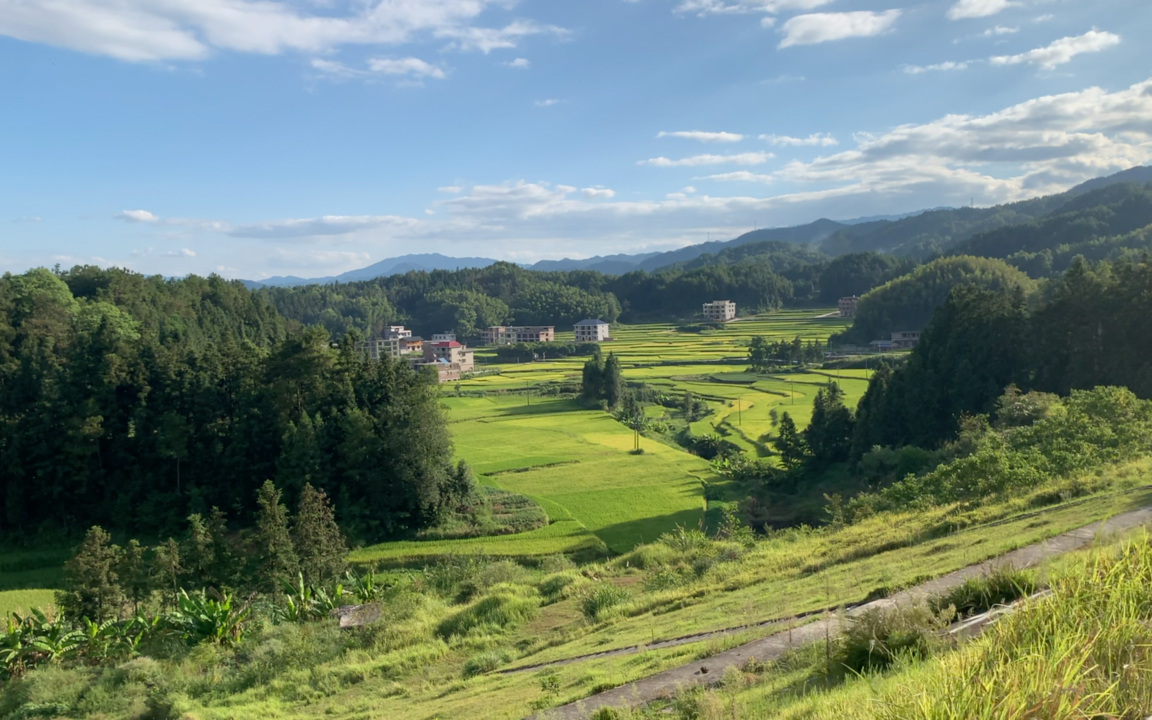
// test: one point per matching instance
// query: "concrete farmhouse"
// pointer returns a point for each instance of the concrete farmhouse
(502, 335)
(720, 310)
(592, 331)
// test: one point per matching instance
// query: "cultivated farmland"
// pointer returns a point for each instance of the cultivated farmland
(575, 462)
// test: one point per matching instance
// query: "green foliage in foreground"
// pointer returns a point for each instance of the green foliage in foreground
(1084, 650)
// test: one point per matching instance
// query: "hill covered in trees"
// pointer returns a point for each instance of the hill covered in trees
(907, 303)
(131, 402)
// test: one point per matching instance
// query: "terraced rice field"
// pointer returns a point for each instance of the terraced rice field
(576, 462)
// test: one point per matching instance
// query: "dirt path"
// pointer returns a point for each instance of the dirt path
(710, 670)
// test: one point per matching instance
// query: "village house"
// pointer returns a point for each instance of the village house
(905, 339)
(720, 310)
(592, 331)
(443, 337)
(451, 353)
(502, 335)
(848, 306)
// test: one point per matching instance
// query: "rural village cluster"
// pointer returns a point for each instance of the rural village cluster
(452, 359)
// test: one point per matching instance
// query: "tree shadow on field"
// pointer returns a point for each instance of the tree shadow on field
(623, 537)
(542, 407)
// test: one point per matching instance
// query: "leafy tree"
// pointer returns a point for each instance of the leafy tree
(133, 572)
(92, 584)
(592, 379)
(275, 557)
(319, 544)
(790, 443)
(612, 387)
(829, 432)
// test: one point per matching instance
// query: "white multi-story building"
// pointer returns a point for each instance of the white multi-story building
(592, 330)
(502, 335)
(443, 337)
(398, 331)
(847, 306)
(720, 310)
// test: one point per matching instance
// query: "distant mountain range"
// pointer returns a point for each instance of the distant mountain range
(915, 234)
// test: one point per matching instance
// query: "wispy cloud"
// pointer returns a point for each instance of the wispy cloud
(1062, 50)
(146, 31)
(817, 139)
(750, 158)
(519, 64)
(967, 9)
(409, 68)
(547, 103)
(744, 7)
(826, 27)
(739, 176)
(938, 67)
(598, 193)
(706, 137)
(1000, 30)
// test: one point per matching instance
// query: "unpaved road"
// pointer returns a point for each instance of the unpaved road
(710, 670)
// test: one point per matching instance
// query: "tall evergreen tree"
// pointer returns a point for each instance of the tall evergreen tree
(166, 569)
(134, 577)
(592, 380)
(613, 382)
(320, 546)
(829, 432)
(790, 444)
(92, 585)
(275, 558)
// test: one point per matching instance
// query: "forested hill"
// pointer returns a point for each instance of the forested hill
(1103, 224)
(932, 232)
(131, 401)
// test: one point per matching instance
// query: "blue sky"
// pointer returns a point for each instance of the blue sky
(309, 137)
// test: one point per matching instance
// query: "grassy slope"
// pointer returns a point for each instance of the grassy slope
(22, 601)
(786, 574)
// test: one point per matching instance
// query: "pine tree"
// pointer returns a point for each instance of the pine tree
(790, 444)
(592, 381)
(92, 585)
(223, 572)
(319, 543)
(166, 569)
(613, 382)
(196, 553)
(134, 576)
(275, 556)
(301, 460)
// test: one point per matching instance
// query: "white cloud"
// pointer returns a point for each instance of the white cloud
(966, 9)
(749, 158)
(519, 64)
(1043, 18)
(1062, 50)
(28, 219)
(137, 216)
(451, 189)
(183, 252)
(322, 226)
(820, 139)
(547, 103)
(1000, 30)
(744, 7)
(688, 189)
(151, 30)
(825, 27)
(409, 68)
(1033, 148)
(944, 66)
(703, 136)
(598, 193)
(739, 176)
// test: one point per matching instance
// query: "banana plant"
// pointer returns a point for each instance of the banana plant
(200, 618)
(364, 588)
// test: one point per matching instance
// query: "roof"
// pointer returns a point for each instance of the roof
(448, 344)
(415, 338)
(586, 323)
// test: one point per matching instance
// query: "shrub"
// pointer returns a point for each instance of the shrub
(684, 540)
(506, 607)
(560, 585)
(486, 662)
(599, 600)
(877, 637)
(1001, 586)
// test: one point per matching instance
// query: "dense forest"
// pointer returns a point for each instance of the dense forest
(757, 277)
(131, 402)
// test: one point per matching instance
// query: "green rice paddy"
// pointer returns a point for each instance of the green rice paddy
(576, 463)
